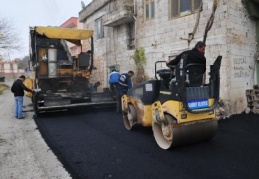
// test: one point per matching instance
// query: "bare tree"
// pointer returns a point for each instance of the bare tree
(23, 63)
(9, 39)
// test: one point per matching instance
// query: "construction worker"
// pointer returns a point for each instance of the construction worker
(124, 85)
(113, 80)
(18, 89)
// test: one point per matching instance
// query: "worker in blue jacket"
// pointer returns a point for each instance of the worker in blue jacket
(124, 85)
(113, 80)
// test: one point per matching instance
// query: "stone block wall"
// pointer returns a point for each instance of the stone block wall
(232, 36)
(99, 73)
(241, 44)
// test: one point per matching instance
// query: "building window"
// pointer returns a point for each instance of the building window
(149, 9)
(183, 7)
(99, 28)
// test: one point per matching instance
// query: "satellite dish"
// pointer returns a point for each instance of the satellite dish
(82, 4)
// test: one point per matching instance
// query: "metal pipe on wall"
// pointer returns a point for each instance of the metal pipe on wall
(135, 24)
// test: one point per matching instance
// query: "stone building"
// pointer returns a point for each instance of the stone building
(167, 27)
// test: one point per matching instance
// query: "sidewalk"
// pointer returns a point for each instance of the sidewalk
(23, 152)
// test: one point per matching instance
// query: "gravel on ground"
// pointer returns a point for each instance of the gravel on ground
(23, 151)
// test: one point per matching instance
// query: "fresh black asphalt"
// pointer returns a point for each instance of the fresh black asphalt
(93, 143)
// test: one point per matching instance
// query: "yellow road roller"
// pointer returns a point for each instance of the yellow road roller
(177, 104)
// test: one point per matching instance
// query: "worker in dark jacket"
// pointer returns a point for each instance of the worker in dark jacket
(196, 55)
(18, 89)
(124, 85)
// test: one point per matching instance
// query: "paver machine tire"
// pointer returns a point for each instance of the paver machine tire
(35, 98)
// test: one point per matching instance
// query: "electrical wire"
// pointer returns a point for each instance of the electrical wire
(52, 10)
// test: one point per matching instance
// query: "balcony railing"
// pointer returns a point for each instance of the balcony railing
(122, 15)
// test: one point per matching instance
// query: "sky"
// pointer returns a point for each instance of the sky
(25, 13)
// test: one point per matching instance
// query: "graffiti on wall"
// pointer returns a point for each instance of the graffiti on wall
(241, 67)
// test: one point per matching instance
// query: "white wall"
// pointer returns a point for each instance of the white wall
(232, 36)
(241, 44)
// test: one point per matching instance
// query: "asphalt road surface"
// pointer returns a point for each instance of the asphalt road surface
(94, 144)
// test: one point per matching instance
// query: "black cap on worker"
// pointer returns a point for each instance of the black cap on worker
(22, 76)
(200, 44)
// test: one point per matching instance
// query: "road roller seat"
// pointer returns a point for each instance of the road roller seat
(194, 88)
(191, 75)
(166, 75)
(194, 74)
(195, 92)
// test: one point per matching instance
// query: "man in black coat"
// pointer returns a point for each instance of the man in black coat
(18, 90)
(196, 55)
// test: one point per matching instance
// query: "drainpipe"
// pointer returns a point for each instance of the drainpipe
(134, 8)
(257, 52)
(253, 11)
(135, 19)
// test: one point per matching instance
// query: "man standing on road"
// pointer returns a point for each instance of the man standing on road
(124, 85)
(113, 80)
(18, 89)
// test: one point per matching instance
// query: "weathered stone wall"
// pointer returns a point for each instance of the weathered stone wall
(241, 44)
(232, 36)
(99, 73)
(110, 50)
(92, 8)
